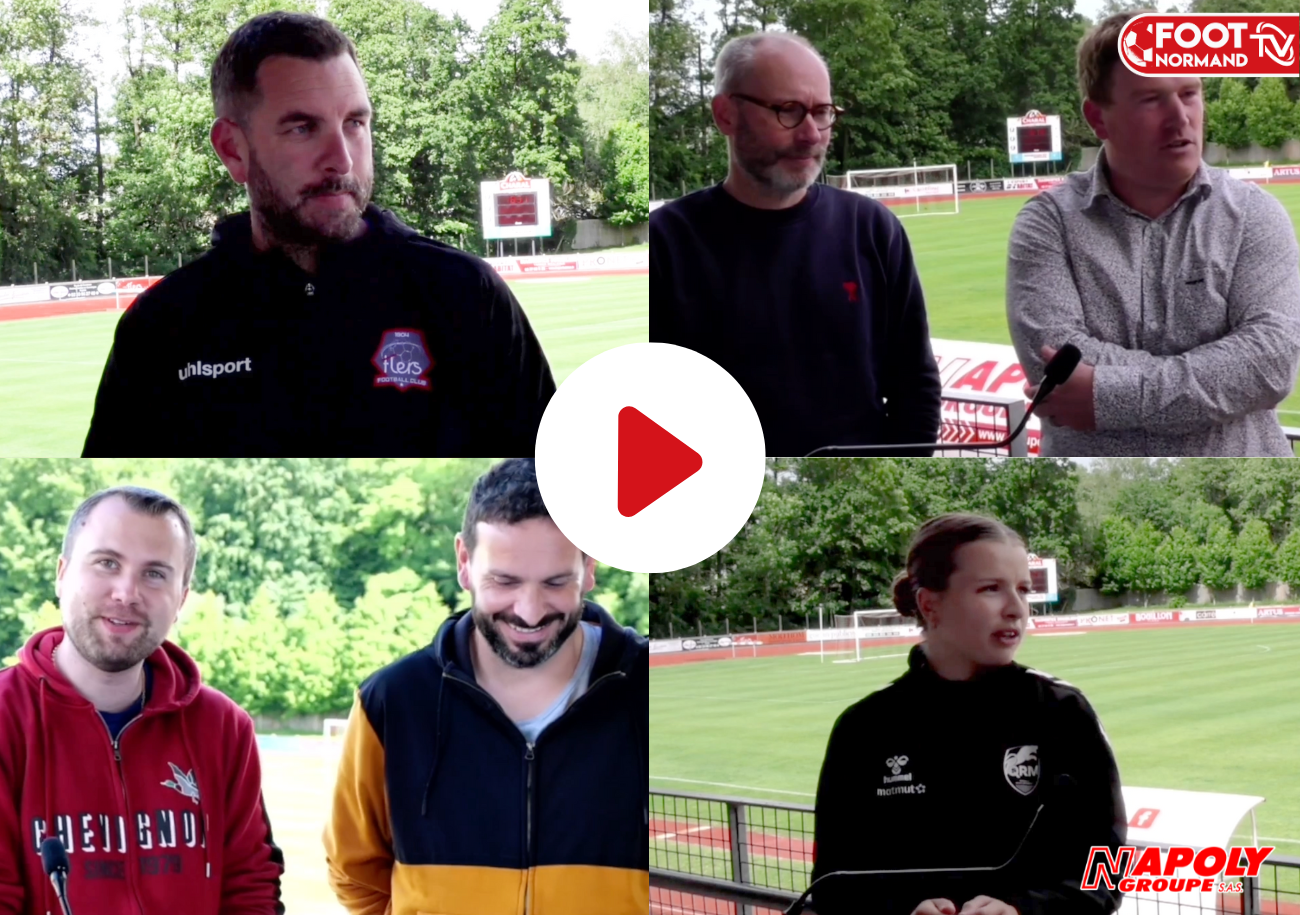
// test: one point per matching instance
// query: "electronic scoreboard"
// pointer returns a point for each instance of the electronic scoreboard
(1036, 137)
(516, 207)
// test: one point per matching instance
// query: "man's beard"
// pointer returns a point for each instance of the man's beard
(289, 223)
(109, 655)
(528, 655)
(764, 165)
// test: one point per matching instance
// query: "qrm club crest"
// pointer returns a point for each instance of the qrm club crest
(1020, 767)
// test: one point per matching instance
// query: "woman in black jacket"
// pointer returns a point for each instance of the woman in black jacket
(993, 779)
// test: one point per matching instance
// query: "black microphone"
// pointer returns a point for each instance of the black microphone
(54, 858)
(1055, 373)
(802, 901)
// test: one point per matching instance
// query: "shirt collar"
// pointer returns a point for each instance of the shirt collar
(1099, 184)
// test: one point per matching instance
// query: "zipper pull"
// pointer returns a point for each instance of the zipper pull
(117, 751)
(310, 290)
(528, 754)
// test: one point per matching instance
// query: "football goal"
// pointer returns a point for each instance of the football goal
(925, 190)
(866, 625)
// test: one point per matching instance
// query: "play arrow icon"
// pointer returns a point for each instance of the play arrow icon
(651, 461)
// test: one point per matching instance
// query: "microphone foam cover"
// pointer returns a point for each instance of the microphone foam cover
(54, 856)
(1063, 364)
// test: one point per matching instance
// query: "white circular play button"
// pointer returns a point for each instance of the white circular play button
(650, 457)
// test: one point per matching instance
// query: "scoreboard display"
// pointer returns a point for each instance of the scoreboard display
(1036, 137)
(516, 207)
(1042, 580)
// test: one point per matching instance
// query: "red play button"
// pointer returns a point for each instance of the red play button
(651, 461)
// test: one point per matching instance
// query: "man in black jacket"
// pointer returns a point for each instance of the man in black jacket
(318, 324)
(806, 294)
(503, 768)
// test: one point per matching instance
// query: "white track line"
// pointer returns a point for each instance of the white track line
(685, 832)
(726, 784)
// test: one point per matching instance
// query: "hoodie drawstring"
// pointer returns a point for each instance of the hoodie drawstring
(50, 827)
(203, 815)
(437, 750)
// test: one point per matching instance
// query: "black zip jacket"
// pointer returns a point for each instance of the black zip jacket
(398, 346)
(934, 773)
(442, 795)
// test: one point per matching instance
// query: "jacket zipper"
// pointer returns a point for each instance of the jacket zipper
(530, 757)
(126, 800)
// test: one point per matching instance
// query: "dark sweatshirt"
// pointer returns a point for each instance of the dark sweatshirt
(941, 774)
(816, 310)
(398, 346)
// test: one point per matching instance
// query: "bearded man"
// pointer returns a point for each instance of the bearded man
(805, 293)
(502, 769)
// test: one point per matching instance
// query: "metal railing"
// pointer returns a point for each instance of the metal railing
(720, 855)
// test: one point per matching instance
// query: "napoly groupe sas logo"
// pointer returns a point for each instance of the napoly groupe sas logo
(1157, 870)
(1211, 44)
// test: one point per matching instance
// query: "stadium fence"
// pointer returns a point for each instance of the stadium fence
(714, 854)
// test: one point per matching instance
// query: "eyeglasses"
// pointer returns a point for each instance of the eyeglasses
(791, 114)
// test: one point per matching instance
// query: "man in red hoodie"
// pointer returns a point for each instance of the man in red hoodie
(109, 742)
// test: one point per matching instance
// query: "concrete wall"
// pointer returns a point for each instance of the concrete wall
(1087, 600)
(1215, 154)
(596, 233)
(314, 724)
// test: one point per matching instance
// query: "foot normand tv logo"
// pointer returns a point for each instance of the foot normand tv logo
(1211, 44)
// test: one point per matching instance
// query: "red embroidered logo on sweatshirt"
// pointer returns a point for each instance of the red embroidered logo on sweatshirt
(852, 289)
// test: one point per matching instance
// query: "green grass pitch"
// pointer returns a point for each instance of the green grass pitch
(50, 367)
(962, 261)
(1209, 709)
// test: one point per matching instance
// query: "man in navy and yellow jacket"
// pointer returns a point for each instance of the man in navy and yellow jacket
(502, 769)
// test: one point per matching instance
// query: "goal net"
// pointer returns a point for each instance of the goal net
(926, 190)
(859, 625)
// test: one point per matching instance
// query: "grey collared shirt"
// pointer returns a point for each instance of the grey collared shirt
(1192, 319)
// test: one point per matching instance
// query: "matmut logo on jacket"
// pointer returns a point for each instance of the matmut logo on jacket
(169, 818)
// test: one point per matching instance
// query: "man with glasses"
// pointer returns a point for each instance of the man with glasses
(805, 293)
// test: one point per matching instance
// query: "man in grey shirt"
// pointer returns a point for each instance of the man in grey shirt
(1179, 284)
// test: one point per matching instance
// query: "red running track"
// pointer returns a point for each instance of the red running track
(794, 648)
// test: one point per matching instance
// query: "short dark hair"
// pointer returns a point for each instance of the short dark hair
(1098, 56)
(235, 92)
(145, 501)
(931, 557)
(506, 494)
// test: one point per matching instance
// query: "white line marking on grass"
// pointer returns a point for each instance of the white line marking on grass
(1265, 647)
(1273, 839)
(685, 832)
(696, 781)
(47, 362)
(1071, 632)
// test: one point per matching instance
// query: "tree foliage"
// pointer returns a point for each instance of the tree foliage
(831, 534)
(312, 574)
(452, 108)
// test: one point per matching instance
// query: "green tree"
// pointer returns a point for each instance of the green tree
(523, 91)
(1227, 117)
(625, 160)
(1176, 559)
(398, 613)
(1215, 558)
(1252, 555)
(1287, 560)
(1270, 115)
